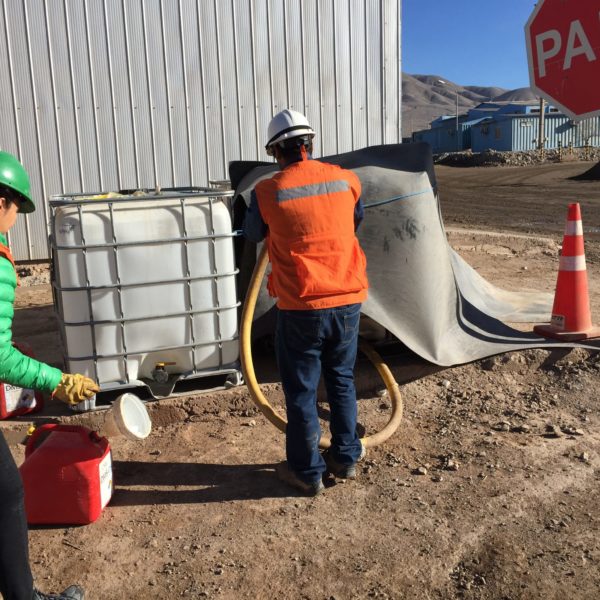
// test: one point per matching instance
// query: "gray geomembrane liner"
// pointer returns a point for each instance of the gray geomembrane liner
(420, 289)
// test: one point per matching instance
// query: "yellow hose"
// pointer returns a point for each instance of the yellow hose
(254, 387)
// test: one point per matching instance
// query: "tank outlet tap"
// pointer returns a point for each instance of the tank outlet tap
(159, 373)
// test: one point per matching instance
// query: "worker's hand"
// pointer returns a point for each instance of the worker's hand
(74, 388)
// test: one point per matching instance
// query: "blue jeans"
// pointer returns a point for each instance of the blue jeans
(308, 341)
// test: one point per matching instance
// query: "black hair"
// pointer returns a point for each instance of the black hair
(9, 195)
(290, 149)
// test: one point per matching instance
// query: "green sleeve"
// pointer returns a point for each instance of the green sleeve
(15, 367)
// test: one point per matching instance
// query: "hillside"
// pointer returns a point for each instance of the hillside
(425, 97)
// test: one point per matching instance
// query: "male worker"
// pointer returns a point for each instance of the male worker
(16, 582)
(309, 212)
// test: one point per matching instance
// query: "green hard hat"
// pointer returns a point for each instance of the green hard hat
(14, 176)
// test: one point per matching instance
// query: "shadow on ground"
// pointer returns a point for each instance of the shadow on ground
(211, 483)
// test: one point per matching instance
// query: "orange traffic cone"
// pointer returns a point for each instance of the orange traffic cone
(571, 317)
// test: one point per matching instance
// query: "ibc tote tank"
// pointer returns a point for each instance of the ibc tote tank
(145, 278)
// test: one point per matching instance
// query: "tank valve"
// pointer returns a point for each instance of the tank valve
(159, 373)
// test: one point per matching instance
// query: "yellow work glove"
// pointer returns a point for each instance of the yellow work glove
(74, 388)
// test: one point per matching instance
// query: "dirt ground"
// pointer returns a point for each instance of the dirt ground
(487, 491)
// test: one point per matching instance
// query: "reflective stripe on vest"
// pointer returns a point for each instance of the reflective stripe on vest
(313, 189)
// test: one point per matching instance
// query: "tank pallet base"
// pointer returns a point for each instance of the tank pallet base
(179, 385)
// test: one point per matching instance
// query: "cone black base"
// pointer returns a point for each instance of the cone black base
(550, 331)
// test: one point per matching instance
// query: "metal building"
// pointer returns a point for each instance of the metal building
(520, 132)
(102, 95)
(443, 133)
(508, 126)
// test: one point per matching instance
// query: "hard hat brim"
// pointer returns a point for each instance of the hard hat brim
(292, 132)
(26, 205)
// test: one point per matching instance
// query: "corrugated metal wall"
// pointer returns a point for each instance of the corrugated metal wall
(520, 133)
(443, 137)
(525, 132)
(492, 135)
(557, 128)
(99, 95)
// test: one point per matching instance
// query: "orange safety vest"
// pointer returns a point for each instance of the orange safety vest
(316, 259)
(5, 251)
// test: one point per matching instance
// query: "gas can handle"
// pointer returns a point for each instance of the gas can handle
(48, 427)
(37, 432)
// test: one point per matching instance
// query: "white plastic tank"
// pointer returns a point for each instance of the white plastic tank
(145, 279)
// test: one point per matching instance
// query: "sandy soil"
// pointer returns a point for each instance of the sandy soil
(487, 491)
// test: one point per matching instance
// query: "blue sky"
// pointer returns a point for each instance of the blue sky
(469, 42)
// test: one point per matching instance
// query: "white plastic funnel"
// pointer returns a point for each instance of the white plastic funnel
(127, 417)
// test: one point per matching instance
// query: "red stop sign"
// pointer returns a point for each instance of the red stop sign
(563, 48)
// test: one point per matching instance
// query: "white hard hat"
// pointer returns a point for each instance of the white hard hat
(287, 124)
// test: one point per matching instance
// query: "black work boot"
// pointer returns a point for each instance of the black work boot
(342, 471)
(73, 592)
(288, 476)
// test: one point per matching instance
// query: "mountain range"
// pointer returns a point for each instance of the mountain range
(426, 97)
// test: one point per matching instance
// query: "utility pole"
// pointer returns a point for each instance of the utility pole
(458, 144)
(541, 134)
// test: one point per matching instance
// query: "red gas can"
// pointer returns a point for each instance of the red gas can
(15, 401)
(67, 475)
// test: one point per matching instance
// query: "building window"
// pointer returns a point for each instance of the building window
(498, 133)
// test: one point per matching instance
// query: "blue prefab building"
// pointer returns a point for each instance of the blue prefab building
(508, 126)
(443, 134)
(520, 132)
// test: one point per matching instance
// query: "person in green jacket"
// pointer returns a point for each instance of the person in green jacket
(16, 581)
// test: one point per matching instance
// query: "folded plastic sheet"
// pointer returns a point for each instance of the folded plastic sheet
(421, 291)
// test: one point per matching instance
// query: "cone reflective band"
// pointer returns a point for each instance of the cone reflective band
(572, 263)
(571, 318)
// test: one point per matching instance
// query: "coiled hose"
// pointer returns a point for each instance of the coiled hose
(263, 403)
